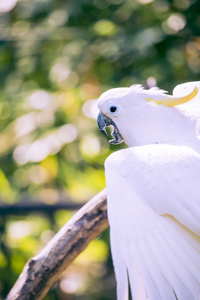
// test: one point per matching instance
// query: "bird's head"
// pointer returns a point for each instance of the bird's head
(138, 115)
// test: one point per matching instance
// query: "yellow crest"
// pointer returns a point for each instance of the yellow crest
(173, 101)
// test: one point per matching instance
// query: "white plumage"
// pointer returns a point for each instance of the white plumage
(153, 191)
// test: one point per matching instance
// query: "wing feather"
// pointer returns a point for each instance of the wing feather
(120, 269)
(153, 210)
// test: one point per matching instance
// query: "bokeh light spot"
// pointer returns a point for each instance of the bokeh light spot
(175, 23)
(90, 109)
(144, 1)
(39, 99)
(21, 155)
(90, 145)
(58, 18)
(67, 133)
(20, 229)
(105, 27)
(7, 5)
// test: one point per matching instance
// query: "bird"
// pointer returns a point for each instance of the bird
(153, 190)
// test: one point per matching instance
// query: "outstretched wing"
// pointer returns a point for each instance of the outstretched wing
(154, 214)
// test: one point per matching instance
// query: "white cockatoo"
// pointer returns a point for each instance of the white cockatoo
(153, 190)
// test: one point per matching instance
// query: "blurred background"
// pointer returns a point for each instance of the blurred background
(56, 58)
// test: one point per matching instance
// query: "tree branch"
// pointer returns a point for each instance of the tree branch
(42, 271)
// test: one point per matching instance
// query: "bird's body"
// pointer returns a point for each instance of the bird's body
(153, 192)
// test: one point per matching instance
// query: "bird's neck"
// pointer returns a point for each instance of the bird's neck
(161, 125)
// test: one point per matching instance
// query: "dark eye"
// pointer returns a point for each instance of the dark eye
(113, 109)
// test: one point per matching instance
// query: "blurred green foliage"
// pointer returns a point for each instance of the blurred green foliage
(56, 58)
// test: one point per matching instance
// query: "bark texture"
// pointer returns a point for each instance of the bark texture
(42, 271)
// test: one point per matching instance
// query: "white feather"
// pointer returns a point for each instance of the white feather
(155, 221)
(120, 269)
(190, 109)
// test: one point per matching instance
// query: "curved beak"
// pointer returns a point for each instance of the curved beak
(103, 121)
